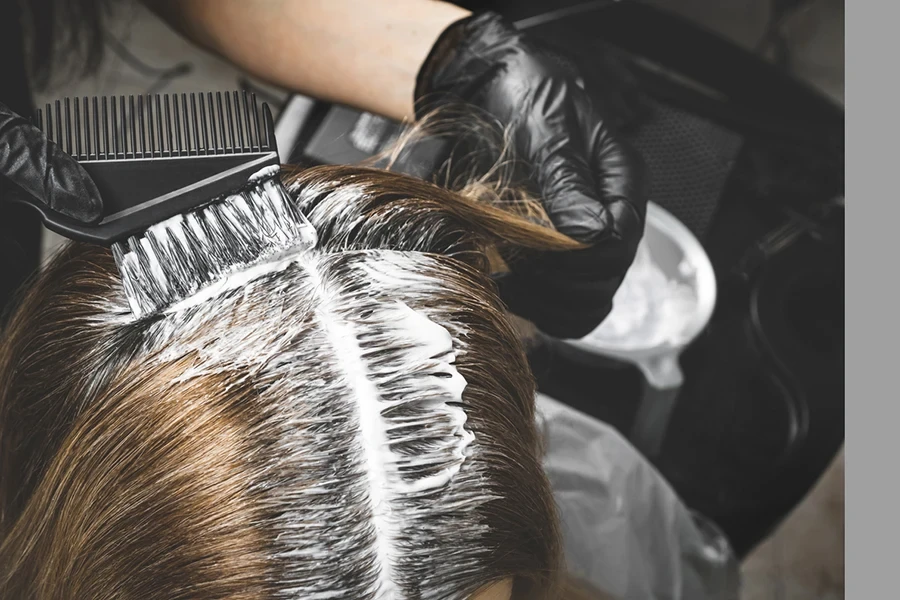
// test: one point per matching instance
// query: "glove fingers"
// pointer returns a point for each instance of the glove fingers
(569, 192)
(41, 169)
(604, 205)
(69, 189)
(593, 192)
(619, 172)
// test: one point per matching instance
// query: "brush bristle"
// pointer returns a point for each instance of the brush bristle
(183, 255)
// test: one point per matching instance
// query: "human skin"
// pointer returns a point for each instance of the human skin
(361, 53)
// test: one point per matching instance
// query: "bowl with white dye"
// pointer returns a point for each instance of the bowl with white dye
(665, 301)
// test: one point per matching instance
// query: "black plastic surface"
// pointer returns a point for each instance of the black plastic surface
(156, 157)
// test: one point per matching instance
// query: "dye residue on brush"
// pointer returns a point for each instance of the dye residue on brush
(190, 258)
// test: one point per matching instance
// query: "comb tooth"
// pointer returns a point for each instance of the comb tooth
(256, 127)
(151, 127)
(190, 125)
(39, 116)
(123, 126)
(133, 122)
(156, 138)
(105, 128)
(245, 103)
(79, 124)
(96, 126)
(204, 126)
(60, 136)
(195, 125)
(169, 142)
(187, 126)
(86, 106)
(49, 122)
(240, 123)
(212, 123)
(114, 146)
(77, 115)
(252, 130)
(119, 127)
(171, 117)
(82, 129)
(177, 118)
(128, 126)
(267, 126)
(88, 124)
(115, 128)
(152, 116)
(230, 122)
(246, 110)
(48, 109)
(221, 119)
(181, 105)
(143, 146)
(127, 120)
(68, 113)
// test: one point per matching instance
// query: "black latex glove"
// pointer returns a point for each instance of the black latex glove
(37, 171)
(590, 183)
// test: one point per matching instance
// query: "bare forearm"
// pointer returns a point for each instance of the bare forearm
(364, 53)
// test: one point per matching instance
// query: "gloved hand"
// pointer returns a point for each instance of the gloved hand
(590, 183)
(40, 173)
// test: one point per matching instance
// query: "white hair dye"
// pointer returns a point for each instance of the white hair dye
(238, 397)
(177, 230)
(374, 416)
(187, 253)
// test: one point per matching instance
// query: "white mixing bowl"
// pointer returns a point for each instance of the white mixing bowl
(666, 300)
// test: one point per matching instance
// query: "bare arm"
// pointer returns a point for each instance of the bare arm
(363, 53)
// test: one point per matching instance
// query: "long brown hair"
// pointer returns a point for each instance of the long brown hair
(180, 456)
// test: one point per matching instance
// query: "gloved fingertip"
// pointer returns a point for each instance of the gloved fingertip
(579, 216)
(626, 219)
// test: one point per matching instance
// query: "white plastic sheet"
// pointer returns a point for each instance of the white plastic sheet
(624, 528)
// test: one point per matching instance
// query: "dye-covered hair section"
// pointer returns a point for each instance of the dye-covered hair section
(366, 431)
(355, 423)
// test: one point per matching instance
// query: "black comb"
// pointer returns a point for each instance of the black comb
(154, 157)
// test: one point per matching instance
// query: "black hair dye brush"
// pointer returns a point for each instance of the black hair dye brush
(189, 184)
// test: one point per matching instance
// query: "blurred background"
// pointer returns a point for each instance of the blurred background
(755, 439)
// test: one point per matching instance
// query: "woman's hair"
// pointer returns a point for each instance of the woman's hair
(359, 418)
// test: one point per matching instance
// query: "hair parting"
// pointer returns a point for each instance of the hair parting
(358, 423)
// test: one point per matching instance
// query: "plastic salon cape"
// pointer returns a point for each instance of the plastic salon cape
(624, 529)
